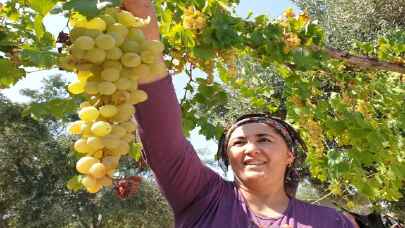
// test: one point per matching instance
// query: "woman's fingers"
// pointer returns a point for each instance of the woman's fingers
(144, 9)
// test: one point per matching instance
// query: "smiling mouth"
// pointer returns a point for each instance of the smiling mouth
(256, 163)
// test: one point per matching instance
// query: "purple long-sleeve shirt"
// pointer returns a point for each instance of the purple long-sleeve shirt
(199, 196)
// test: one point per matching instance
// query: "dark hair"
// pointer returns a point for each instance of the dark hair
(289, 134)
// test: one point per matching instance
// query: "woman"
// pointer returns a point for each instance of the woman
(260, 149)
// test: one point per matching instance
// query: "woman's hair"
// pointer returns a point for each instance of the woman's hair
(288, 133)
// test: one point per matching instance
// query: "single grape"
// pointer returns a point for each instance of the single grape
(81, 146)
(86, 129)
(84, 164)
(76, 52)
(106, 88)
(142, 70)
(122, 149)
(128, 73)
(98, 154)
(127, 19)
(120, 97)
(84, 66)
(130, 46)
(119, 38)
(122, 117)
(118, 131)
(110, 142)
(108, 19)
(129, 126)
(127, 108)
(76, 87)
(105, 41)
(84, 104)
(89, 114)
(123, 84)
(91, 88)
(97, 170)
(130, 59)
(106, 182)
(67, 63)
(108, 110)
(75, 33)
(74, 128)
(110, 74)
(95, 55)
(118, 28)
(114, 54)
(95, 143)
(136, 35)
(138, 96)
(84, 42)
(101, 128)
(112, 11)
(94, 189)
(154, 45)
(129, 138)
(148, 57)
(158, 68)
(91, 184)
(112, 64)
(96, 24)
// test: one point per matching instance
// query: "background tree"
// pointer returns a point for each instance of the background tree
(35, 167)
(346, 21)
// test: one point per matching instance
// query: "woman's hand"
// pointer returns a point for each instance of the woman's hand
(144, 9)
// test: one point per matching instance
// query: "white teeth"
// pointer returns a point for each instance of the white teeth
(254, 163)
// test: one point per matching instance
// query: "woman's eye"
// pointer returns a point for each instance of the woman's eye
(236, 143)
(264, 140)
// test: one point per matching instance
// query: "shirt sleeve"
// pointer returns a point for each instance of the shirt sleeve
(178, 170)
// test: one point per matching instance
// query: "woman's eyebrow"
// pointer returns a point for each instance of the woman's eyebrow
(257, 135)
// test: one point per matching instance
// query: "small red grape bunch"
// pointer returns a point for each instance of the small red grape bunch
(127, 187)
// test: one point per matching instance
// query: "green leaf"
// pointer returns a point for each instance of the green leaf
(74, 184)
(38, 26)
(87, 8)
(38, 58)
(58, 108)
(203, 53)
(136, 151)
(43, 6)
(9, 73)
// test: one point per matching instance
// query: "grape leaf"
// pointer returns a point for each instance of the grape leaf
(9, 73)
(42, 6)
(38, 26)
(136, 151)
(87, 8)
(74, 184)
(38, 58)
(58, 107)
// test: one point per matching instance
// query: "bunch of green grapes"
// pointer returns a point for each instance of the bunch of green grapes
(194, 19)
(109, 53)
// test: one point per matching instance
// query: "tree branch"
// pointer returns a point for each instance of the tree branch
(363, 62)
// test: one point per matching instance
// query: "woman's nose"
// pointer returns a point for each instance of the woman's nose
(251, 148)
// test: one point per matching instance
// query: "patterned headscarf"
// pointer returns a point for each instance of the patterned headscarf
(294, 142)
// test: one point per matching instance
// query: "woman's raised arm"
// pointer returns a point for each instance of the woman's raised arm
(180, 173)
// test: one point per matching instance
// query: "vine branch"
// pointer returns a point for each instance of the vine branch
(363, 62)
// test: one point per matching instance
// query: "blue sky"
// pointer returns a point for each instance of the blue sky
(55, 24)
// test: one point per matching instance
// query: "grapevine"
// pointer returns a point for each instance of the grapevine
(108, 54)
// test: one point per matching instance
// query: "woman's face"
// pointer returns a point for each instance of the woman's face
(258, 154)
